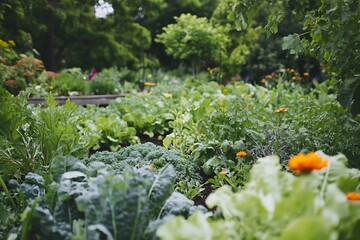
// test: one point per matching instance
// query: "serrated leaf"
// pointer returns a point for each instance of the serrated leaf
(293, 43)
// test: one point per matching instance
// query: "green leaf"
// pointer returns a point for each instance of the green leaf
(195, 227)
(309, 228)
(293, 43)
(161, 188)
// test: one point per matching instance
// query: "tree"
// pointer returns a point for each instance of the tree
(194, 39)
(66, 33)
(331, 34)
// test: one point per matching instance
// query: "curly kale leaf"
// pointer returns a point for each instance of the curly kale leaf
(148, 154)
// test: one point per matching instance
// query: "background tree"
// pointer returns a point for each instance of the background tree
(66, 33)
(254, 53)
(194, 39)
(330, 33)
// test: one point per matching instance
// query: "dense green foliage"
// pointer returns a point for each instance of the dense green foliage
(132, 205)
(194, 39)
(148, 155)
(31, 137)
(330, 33)
(270, 207)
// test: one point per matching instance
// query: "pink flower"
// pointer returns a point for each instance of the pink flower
(92, 74)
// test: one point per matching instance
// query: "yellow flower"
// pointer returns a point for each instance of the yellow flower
(11, 42)
(306, 74)
(281, 110)
(224, 172)
(167, 95)
(353, 196)
(241, 154)
(293, 78)
(306, 163)
(292, 70)
(3, 43)
(150, 84)
(210, 70)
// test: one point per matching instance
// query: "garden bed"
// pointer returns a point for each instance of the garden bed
(79, 100)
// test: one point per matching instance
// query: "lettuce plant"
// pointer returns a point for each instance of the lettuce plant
(277, 204)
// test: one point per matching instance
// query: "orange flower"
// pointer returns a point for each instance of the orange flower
(224, 172)
(281, 110)
(151, 166)
(305, 163)
(241, 154)
(353, 196)
(306, 74)
(150, 84)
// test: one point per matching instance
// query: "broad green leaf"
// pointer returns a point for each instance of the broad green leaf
(309, 228)
(293, 43)
(195, 227)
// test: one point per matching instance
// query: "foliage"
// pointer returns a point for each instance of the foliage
(149, 114)
(151, 156)
(68, 82)
(94, 203)
(270, 208)
(31, 137)
(330, 35)
(109, 128)
(193, 39)
(18, 70)
(67, 34)
(244, 118)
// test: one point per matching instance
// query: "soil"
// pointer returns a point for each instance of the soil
(200, 200)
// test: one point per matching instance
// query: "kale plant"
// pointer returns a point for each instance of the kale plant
(148, 155)
(93, 202)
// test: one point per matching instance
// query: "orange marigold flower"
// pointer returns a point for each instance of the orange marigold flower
(224, 172)
(353, 196)
(281, 110)
(241, 154)
(150, 84)
(306, 74)
(305, 163)
(151, 166)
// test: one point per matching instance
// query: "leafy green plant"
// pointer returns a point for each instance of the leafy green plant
(32, 136)
(151, 156)
(69, 82)
(193, 39)
(328, 36)
(148, 114)
(94, 203)
(269, 206)
(110, 129)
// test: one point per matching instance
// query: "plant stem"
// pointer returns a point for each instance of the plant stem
(325, 181)
(2, 183)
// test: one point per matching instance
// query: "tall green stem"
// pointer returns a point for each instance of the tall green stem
(2, 183)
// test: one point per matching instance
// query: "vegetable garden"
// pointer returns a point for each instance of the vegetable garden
(230, 140)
